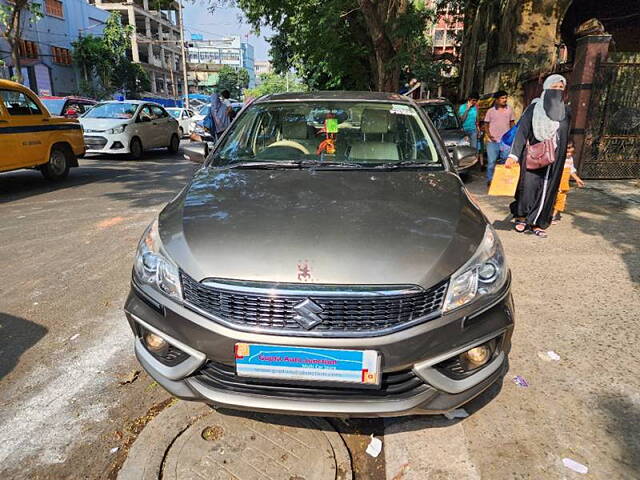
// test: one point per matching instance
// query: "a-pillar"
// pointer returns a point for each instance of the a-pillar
(590, 50)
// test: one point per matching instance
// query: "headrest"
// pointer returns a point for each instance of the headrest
(294, 126)
(374, 121)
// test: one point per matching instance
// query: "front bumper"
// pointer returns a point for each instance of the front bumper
(410, 353)
(100, 142)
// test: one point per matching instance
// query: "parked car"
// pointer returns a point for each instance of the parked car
(32, 138)
(202, 112)
(331, 269)
(70, 107)
(129, 127)
(185, 119)
(443, 115)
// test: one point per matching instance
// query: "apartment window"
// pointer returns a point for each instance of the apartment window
(61, 55)
(438, 37)
(54, 8)
(28, 49)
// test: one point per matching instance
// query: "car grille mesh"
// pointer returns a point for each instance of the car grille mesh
(340, 314)
(395, 385)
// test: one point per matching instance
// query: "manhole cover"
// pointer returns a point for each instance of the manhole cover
(257, 447)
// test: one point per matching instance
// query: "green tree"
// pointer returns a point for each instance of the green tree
(344, 44)
(234, 80)
(11, 24)
(275, 83)
(105, 58)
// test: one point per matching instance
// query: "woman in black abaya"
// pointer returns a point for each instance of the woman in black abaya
(537, 189)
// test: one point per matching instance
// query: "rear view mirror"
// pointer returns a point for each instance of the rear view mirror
(196, 152)
(462, 151)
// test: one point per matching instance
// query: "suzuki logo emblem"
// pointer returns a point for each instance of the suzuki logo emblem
(307, 313)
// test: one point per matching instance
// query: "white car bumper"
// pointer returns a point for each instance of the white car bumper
(100, 142)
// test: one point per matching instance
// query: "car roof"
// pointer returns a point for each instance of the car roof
(336, 95)
(135, 102)
(70, 97)
(434, 101)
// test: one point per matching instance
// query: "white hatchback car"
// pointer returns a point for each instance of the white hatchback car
(129, 127)
(185, 119)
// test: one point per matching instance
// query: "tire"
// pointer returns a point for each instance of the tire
(174, 144)
(181, 130)
(57, 168)
(135, 147)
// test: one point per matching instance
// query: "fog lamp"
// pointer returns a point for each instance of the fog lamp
(156, 344)
(477, 356)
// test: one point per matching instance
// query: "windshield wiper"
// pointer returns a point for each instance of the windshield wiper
(320, 163)
(410, 164)
(257, 165)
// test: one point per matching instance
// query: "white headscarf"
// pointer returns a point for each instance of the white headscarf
(543, 126)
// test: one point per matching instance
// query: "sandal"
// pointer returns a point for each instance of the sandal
(520, 227)
(538, 232)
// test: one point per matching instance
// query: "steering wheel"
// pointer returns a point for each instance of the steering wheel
(290, 144)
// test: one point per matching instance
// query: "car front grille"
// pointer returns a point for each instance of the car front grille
(343, 314)
(396, 385)
(94, 143)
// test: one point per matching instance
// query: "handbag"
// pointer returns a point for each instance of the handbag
(541, 154)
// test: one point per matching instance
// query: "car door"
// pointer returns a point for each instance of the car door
(165, 124)
(146, 129)
(23, 129)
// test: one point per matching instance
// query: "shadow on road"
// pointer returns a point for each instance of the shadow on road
(144, 183)
(17, 335)
(624, 422)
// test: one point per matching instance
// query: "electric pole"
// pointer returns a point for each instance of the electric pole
(185, 81)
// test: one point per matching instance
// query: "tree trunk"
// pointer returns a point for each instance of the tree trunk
(380, 16)
(13, 36)
(15, 59)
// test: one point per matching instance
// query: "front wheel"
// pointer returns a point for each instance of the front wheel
(174, 144)
(135, 147)
(58, 166)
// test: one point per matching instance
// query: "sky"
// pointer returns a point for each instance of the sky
(224, 22)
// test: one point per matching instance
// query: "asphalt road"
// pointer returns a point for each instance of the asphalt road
(66, 250)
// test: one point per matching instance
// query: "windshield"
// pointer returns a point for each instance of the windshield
(337, 133)
(112, 110)
(174, 112)
(54, 105)
(443, 116)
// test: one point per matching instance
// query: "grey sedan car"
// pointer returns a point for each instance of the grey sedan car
(443, 115)
(326, 259)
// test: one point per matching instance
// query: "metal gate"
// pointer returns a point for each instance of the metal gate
(612, 142)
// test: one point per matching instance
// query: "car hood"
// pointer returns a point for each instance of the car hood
(451, 136)
(101, 124)
(328, 227)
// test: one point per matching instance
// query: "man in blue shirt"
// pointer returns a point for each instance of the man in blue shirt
(468, 113)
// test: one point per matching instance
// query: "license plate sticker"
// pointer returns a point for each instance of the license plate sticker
(302, 363)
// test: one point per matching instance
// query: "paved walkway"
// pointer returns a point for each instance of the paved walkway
(577, 294)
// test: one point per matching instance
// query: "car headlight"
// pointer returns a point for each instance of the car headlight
(485, 273)
(116, 130)
(153, 267)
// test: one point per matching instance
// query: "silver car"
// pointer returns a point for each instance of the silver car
(325, 260)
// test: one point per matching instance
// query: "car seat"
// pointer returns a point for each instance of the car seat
(375, 145)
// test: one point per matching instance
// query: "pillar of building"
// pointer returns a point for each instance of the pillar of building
(590, 50)
(165, 90)
(153, 82)
(135, 55)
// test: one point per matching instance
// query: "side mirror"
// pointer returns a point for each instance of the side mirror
(144, 119)
(196, 152)
(461, 152)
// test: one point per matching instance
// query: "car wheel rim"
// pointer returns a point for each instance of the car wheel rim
(57, 162)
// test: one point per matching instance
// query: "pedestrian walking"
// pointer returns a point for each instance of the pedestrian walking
(218, 120)
(568, 172)
(497, 121)
(468, 113)
(540, 146)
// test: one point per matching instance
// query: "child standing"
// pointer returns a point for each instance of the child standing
(569, 172)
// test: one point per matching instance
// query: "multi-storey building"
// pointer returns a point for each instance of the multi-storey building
(262, 66)
(155, 43)
(446, 32)
(45, 49)
(207, 57)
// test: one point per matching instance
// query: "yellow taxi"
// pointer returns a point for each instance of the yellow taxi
(30, 137)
